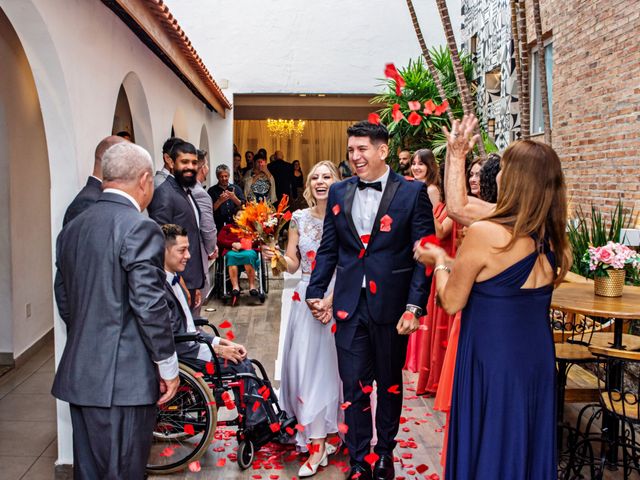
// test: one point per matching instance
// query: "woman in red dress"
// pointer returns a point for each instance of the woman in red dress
(424, 169)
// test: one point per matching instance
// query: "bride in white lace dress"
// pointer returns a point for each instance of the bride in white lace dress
(310, 387)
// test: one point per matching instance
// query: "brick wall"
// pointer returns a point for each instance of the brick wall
(596, 97)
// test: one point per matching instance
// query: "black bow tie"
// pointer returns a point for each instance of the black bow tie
(176, 279)
(375, 185)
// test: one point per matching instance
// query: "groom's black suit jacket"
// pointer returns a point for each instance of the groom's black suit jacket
(388, 259)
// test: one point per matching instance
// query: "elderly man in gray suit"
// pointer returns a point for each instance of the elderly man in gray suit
(120, 355)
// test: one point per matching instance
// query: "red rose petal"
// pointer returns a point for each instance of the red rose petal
(409, 178)
(313, 265)
(394, 389)
(362, 252)
(230, 335)
(225, 324)
(366, 389)
(390, 71)
(342, 314)
(189, 430)
(311, 254)
(221, 462)
(422, 468)
(256, 406)
(336, 209)
(373, 288)
(365, 238)
(374, 118)
(209, 368)
(195, 466)
(275, 427)
(295, 297)
(345, 405)
(343, 428)
(414, 105)
(290, 431)
(430, 239)
(371, 458)
(299, 427)
(414, 119)
(334, 327)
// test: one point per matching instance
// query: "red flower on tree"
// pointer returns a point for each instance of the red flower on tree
(414, 118)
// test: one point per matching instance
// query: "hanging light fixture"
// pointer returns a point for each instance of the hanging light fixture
(285, 128)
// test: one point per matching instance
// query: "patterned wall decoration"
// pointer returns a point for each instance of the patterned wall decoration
(486, 28)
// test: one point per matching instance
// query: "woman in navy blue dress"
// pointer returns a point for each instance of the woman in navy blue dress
(503, 414)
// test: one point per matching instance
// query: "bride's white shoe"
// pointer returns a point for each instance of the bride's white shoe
(331, 449)
(309, 469)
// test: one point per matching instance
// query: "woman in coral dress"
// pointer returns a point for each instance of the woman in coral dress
(423, 169)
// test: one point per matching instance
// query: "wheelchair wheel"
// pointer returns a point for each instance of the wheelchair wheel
(184, 426)
(246, 452)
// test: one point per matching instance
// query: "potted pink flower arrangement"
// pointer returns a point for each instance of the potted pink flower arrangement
(608, 265)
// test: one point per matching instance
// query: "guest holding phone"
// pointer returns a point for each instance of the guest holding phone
(227, 198)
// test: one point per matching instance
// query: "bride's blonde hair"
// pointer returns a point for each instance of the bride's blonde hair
(308, 196)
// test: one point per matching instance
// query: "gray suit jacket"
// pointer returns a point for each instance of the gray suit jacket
(109, 289)
(159, 178)
(208, 230)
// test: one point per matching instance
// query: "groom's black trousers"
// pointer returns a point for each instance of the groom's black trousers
(368, 351)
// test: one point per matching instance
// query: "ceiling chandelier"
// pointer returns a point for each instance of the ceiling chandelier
(285, 128)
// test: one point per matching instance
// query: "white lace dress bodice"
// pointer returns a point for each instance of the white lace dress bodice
(310, 230)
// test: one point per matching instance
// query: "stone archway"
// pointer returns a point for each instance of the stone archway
(139, 111)
(25, 220)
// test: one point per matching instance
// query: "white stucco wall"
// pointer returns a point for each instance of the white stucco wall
(293, 46)
(79, 53)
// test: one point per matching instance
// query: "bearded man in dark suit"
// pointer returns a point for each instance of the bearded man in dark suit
(174, 203)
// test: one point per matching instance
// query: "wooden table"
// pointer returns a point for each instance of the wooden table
(579, 298)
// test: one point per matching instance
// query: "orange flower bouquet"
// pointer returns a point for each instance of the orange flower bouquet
(261, 222)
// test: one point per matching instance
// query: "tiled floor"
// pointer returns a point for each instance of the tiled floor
(28, 419)
(28, 447)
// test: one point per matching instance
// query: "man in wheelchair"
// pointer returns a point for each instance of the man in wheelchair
(232, 357)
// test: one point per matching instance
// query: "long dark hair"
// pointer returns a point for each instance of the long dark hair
(533, 198)
(488, 174)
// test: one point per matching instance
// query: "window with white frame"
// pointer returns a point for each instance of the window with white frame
(537, 119)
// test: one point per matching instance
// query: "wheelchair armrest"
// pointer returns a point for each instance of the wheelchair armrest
(187, 337)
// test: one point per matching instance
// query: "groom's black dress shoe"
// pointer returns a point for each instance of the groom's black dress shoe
(384, 468)
(359, 472)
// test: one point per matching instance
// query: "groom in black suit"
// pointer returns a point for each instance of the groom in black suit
(372, 222)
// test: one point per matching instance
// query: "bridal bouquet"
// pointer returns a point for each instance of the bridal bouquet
(261, 222)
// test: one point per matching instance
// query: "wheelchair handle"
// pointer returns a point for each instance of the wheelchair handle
(203, 322)
(188, 337)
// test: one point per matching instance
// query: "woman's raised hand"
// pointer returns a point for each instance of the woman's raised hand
(461, 139)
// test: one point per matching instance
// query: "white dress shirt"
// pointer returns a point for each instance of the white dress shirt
(365, 208)
(204, 353)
